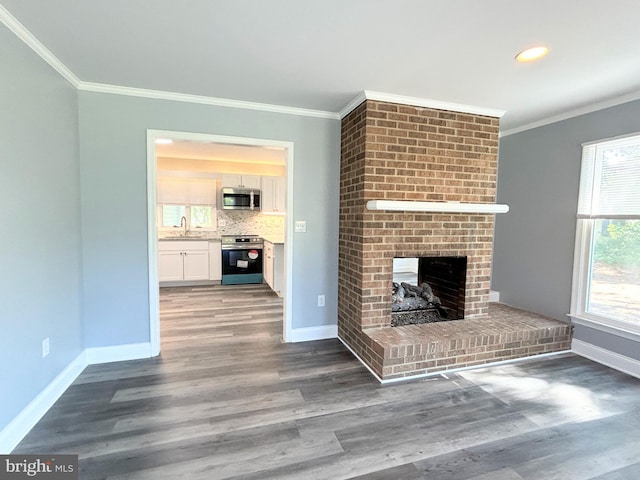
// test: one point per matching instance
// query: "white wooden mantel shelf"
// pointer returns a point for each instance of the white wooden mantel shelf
(440, 207)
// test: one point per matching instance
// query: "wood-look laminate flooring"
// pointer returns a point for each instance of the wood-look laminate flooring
(228, 399)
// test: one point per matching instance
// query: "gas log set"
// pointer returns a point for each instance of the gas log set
(412, 304)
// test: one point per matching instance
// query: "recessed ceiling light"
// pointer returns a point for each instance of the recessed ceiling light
(163, 141)
(531, 54)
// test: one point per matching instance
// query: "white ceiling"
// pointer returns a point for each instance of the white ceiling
(222, 152)
(320, 55)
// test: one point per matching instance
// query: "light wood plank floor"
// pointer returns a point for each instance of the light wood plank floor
(227, 399)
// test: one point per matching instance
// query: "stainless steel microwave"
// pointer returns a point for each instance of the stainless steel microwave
(240, 199)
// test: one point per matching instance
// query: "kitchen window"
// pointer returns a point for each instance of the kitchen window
(198, 216)
(606, 278)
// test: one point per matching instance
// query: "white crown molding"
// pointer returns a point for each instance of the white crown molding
(418, 102)
(219, 102)
(593, 107)
(27, 37)
(352, 105)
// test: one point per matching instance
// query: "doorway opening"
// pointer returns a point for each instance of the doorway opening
(201, 149)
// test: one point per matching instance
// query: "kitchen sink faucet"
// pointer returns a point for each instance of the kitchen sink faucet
(183, 223)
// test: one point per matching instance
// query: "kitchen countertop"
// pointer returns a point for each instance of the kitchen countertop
(215, 236)
(203, 238)
(275, 239)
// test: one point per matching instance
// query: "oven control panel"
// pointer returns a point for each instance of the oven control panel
(235, 242)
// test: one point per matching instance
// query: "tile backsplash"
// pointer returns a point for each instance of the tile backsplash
(237, 223)
(251, 223)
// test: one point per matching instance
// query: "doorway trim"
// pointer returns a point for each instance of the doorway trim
(152, 231)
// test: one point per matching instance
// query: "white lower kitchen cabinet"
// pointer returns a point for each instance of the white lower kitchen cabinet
(273, 270)
(215, 260)
(196, 264)
(170, 266)
(267, 266)
(183, 260)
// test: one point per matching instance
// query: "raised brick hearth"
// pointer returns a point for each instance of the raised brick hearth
(506, 333)
(400, 152)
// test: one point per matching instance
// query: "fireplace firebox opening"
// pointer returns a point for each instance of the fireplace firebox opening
(428, 289)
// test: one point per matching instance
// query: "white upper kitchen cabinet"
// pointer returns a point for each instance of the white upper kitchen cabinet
(233, 180)
(186, 191)
(274, 195)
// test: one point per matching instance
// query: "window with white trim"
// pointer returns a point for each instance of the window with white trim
(196, 216)
(190, 197)
(606, 277)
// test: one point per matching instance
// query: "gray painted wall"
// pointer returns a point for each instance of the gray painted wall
(538, 176)
(40, 254)
(114, 205)
(608, 341)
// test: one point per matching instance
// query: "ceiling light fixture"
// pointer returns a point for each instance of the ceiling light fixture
(163, 141)
(532, 54)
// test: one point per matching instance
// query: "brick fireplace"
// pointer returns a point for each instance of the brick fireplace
(407, 153)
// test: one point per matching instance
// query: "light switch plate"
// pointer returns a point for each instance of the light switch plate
(301, 226)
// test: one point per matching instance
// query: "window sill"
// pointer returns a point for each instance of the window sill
(626, 330)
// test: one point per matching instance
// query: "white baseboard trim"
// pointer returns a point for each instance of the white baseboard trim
(451, 370)
(360, 360)
(118, 353)
(17, 429)
(479, 366)
(625, 364)
(307, 334)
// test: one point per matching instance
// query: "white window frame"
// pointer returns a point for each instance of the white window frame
(582, 264)
(187, 214)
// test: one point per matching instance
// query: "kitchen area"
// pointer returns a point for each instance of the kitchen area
(221, 212)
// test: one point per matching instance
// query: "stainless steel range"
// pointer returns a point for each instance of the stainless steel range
(241, 259)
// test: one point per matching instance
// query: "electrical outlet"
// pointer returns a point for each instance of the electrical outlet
(45, 347)
(222, 223)
(321, 300)
(301, 226)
